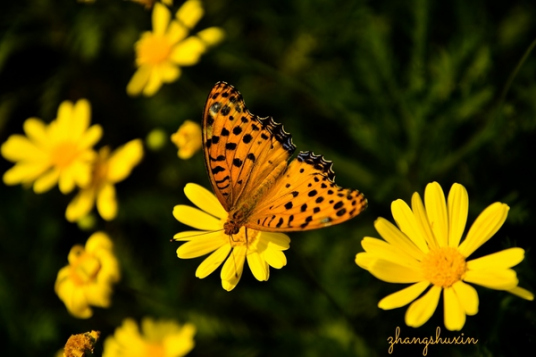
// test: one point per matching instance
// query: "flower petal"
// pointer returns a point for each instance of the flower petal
(454, 312)
(467, 296)
(394, 273)
(275, 258)
(139, 80)
(277, 241)
(190, 13)
(421, 310)
(46, 181)
(160, 17)
(80, 119)
(18, 147)
(123, 160)
(188, 51)
(406, 221)
(196, 218)
(458, 206)
(258, 266)
(403, 297)
(81, 205)
(106, 202)
(200, 246)
(522, 293)
(436, 211)
(233, 267)
(422, 220)
(399, 240)
(205, 200)
(383, 250)
(213, 261)
(484, 227)
(211, 36)
(498, 279)
(36, 131)
(26, 173)
(504, 259)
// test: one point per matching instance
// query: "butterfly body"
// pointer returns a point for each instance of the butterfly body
(247, 159)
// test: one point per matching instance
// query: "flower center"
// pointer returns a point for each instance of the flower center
(152, 49)
(245, 236)
(444, 266)
(64, 154)
(86, 267)
(154, 350)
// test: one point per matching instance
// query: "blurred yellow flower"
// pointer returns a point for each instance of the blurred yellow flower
(88, 278)
(425, 250)
(157, 339)
(187, 139)
(108, 170)
(261, 249)
(161, 53)
(60, 152)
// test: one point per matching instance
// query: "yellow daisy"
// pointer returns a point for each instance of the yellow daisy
(108, 170)
(157, 339)
(161, 53)
(261, 249)
(425, 250)
(88, 278)
(60, 152)
(187, 139)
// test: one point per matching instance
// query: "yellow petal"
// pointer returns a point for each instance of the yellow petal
(213, 261)
(234, 265)
(176, 32)
(211, 36)
(106, 202)
(153, 84)
(47, 181)
(258, 266)
(421, 310)
(80, 119)
(383, 250)
(199, 246)
(168, 72)
(188, 52)
(123, 160)
(190, 13)
(189, 235)
(90, 137)
(467, 296)
(365, 260)
(504, 259)
(278, 241)
(394, 273)
(59, 129)
(36, 131)
(18, 147)
(406, 221)
(81, 205)
(161, 17)
(403, 297)
(139, 80)
(498, 279)
(422, 220)
(275, 258)
(26, 173)
(205, 200)
(454, 312)
(436, 211)
(196, 218)
(484, 227)
(399, 240)
(522, 293)
(99, 240)
(458, 206)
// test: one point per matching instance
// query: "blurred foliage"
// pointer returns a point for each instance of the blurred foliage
(396, 93)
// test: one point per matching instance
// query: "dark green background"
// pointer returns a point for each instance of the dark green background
(396, 93)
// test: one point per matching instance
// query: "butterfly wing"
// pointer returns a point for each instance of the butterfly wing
(306, 197)
(241, 149)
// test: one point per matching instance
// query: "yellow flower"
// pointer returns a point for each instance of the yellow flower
(88, 278)
(59, 152)
(161, 53)
(187, 139)
(108, 170)
(425, 250)
(157, 339)
(261, 249)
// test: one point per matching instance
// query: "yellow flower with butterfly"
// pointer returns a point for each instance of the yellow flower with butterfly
(259, 193)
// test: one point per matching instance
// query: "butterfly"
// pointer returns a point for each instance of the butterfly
(247, 159)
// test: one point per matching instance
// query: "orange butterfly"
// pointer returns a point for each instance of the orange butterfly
(247, 159)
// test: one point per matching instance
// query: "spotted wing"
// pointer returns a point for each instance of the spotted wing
(241, 149)
(306, 197)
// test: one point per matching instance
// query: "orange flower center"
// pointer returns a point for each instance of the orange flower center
(444, 266)
(245, 236)
(153, 49)
(64, 154)
(85, 268)
(155, 350)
